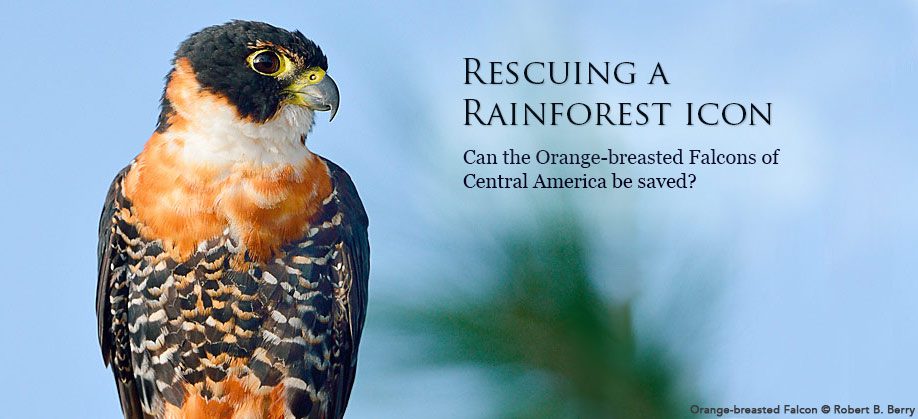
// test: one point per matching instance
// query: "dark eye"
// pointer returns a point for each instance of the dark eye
(266, 62)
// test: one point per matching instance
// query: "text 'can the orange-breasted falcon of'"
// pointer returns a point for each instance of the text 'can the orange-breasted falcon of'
(233, 262)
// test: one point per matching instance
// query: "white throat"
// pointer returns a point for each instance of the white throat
(216, 136)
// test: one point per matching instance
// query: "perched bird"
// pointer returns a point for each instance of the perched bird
(233, 262)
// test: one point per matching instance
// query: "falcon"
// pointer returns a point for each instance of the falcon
(233, 262)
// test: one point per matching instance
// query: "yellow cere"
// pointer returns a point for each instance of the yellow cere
(312, 75)
(309, 77)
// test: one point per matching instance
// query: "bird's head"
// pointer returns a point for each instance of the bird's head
(248, 77)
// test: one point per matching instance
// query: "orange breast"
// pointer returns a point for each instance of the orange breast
(237, 403)
(183, 204)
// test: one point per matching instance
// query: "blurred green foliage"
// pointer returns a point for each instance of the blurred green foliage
(551, 345)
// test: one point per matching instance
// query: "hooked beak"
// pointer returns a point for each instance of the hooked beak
(321, 96)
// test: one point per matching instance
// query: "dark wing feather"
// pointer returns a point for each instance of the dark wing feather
(113, 342)
(354, 274)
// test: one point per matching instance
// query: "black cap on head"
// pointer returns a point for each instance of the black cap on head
(218, 54)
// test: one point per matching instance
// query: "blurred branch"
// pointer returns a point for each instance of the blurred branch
(553, 346)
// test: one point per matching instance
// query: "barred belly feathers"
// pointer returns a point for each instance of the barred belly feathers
(233, 262)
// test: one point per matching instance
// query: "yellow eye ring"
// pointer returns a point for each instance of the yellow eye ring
(268, 63)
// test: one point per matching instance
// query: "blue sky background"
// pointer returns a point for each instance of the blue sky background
(806, 270)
